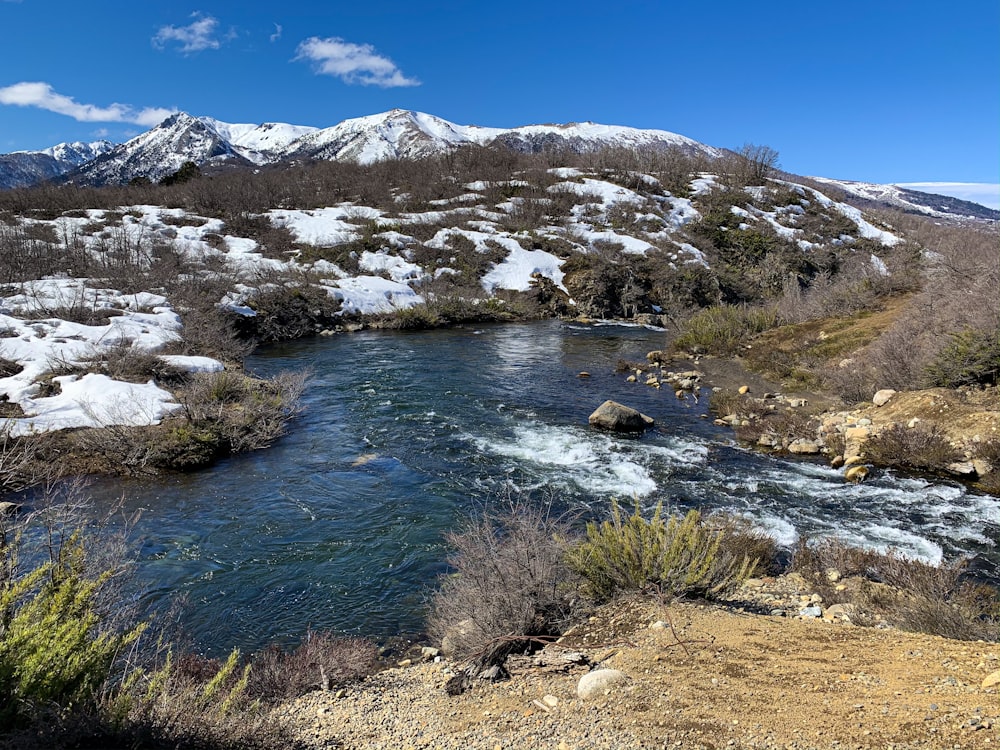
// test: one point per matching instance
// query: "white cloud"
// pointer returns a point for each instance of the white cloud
(984, 193)
(277, 33)
(197, 36)
(352, 63)
(40, 95)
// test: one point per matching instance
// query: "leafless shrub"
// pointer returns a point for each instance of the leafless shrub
(509, 585)
(907, 593)
(750, 164)
(288, 309)
(320, 662)
(19, 464)
(124, 361)
(741, 540)
(918, 447)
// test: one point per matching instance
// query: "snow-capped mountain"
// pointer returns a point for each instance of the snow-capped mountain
(397, 133)
(260, 144)
(929, 204)
(401, 133)
(394, 134)
(24, 168)
(160, 152)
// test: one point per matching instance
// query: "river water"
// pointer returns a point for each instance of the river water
(340, 524)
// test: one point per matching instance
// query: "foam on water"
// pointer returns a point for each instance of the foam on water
(593, 462)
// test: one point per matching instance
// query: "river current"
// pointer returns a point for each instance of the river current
(340, 524)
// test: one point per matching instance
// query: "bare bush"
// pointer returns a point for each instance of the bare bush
(750, 164)
(320, 662)
(910, 594)
(918, 447)
(508, 588)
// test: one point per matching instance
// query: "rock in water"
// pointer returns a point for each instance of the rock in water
(619, 418)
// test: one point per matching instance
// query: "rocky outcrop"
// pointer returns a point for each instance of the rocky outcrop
(617, 417)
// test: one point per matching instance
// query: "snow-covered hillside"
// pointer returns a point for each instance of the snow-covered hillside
(563, 240)
(929, 204)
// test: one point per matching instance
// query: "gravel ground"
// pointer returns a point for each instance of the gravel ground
(699, 676)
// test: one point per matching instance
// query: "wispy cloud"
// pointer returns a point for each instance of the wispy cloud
(41, 95)
(196, 36)
(984, 193)
(277, 33)
(352, 63)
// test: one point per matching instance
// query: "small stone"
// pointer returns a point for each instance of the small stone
(913, 422)
(882, 397)
(992, 679)
(744, 389)
(659, 625)
(405, 663)
(584, 375)
(630, 379)
(753, 583)
(856, 474)
(599, 682)
(429, 653)
(550, 700)
(836, 462)
(811, 612)
(832, 575)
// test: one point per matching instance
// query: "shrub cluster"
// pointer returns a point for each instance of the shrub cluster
(519, 575)
(906, 593)
(919, 447)
(676, 556)
(723, 329)
(77, 671)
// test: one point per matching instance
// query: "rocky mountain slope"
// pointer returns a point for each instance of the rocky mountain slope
(24, 168)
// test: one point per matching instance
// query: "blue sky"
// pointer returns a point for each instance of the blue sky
(879, 91)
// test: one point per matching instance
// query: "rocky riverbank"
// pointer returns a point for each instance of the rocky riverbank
(954, 432)
(802, 675)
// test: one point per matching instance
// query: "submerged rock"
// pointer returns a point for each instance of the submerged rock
(619, 418)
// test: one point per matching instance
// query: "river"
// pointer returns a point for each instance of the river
(340, 524)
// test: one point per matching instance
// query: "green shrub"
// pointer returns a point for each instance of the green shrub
(723, 329)
(972, 357)
(53, 648)
(676, 556)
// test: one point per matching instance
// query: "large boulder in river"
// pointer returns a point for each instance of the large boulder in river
(619, 418)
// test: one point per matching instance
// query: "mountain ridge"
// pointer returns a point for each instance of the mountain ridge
(394, 134)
